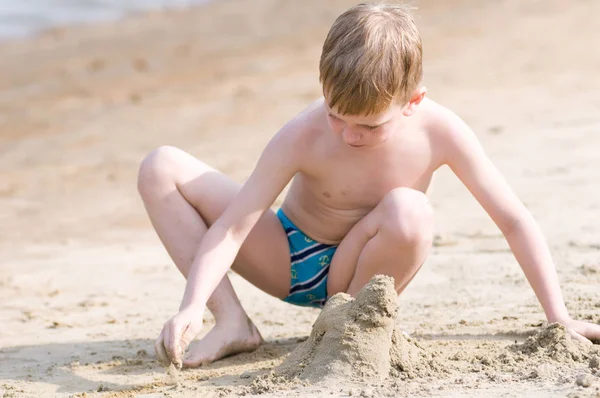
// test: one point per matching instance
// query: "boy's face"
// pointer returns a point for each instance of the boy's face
(368, 131)
(365, 131)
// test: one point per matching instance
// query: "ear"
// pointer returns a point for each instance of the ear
(414, 101)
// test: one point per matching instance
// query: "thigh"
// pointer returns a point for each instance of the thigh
(398, 223)
(264, 258)
(345, 259)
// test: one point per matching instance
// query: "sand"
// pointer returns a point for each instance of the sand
(85, 286)
(351, 339)
(357, 342)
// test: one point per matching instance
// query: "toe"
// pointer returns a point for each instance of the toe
(195, 358)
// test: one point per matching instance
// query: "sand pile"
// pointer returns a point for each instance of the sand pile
(554, 342)
(357, 340)
(549, 354)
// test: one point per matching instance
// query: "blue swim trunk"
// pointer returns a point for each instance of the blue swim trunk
(310, 266)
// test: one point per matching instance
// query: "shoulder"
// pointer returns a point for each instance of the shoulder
(448, 132)
(300, 132)
(441, 121)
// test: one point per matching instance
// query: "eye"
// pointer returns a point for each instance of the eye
(372, 128)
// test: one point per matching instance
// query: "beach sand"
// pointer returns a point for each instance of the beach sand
(85, 285)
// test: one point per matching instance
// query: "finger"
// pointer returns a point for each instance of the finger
(593, 333)
(173, 345)
(189, 334)
(171, 349)
(579, 337)
(159, 349)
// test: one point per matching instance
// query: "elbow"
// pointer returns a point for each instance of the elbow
(233, 232)
(508, 227)
(512, 225)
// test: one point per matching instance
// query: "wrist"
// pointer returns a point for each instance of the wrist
(193, 297)
(192, 304)
(192, 307)
(560, 315)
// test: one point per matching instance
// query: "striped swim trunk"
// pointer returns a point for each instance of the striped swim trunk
(310, 266)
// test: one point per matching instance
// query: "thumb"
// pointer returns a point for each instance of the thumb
(579, 337)
(188, 335)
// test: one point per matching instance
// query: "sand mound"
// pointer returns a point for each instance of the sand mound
(357, 339)
(549, 354)
(553, 341)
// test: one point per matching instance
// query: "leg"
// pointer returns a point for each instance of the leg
(394, 239)
(183, 197)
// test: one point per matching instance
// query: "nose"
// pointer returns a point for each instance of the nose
(350, 137)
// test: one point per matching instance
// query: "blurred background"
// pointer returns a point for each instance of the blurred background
(20, 18)
(89, 87)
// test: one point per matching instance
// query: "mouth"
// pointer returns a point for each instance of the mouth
(356, 146)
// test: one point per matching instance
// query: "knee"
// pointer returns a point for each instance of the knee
(407, 217)
(156, 170)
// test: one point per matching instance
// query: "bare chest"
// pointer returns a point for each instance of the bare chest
(346, 183)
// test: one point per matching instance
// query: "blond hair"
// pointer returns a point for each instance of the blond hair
(372, 56)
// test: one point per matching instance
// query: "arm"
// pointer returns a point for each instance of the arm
(221, 243)
(219, 247)
(466, 158)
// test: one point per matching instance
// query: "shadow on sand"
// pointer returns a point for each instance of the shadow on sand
(118, 365)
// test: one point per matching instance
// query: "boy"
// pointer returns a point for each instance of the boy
(360, 159)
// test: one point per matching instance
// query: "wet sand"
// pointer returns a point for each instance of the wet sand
(85, 285)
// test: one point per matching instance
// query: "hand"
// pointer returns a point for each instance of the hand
(177, 334)
(584, 332)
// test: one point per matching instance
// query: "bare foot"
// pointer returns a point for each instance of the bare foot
(221, 341)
